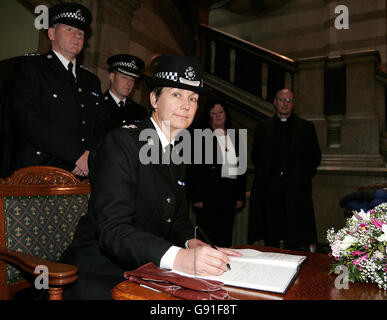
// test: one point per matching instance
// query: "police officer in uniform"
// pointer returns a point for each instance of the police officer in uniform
(124, 70)
(58, 103)
(138, 211)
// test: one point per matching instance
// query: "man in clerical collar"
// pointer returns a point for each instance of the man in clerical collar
(124, 71)
(285, 154)
(284, 104)
(57, 103)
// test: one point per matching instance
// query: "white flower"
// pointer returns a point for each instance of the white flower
(383, 237)
(378, 255)
(347, 242)
(365, 216)
(336, 248)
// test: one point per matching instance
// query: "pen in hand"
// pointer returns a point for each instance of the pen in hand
(209, 242)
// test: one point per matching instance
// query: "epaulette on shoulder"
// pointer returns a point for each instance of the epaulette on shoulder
(32, 54)
(83, 67)
(131, 126)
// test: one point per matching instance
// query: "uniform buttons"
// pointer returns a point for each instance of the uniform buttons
(97, 103)
(80, 90)
(169, 220)
(83, 139)
(123, 121)
(169, 200)
(38, 153)
(82, 105)
(83, 121)
(55, 95)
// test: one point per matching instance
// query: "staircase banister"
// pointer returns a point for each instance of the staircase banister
(268, 55)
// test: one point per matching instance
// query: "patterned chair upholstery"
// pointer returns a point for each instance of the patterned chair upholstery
(39, 210)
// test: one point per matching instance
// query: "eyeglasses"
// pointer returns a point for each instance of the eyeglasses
(288, 100)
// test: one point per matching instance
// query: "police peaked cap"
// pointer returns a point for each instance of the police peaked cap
(177, 71)
(126, 64)
(72, 14)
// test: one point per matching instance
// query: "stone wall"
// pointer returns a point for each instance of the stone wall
(305, 28)
(133, 27)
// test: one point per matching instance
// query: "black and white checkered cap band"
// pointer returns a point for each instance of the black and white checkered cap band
(125, 65)
(69, 15)
(167, 75)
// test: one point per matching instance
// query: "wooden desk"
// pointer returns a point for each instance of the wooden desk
(312, 283)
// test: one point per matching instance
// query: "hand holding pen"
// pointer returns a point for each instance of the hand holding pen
(206, 239)
(202, 260)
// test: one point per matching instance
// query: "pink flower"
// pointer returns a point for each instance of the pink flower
(357, 261)
(357, 253)
(363, 227)
(358, 217)
(377, 223)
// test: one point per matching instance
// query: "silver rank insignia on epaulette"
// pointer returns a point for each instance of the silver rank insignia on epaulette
(131, 126)
(32, 54)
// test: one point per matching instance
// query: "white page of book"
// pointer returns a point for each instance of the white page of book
(260, 270)
(271, 258)
(257, 276)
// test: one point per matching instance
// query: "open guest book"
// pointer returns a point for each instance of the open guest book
(267, 271)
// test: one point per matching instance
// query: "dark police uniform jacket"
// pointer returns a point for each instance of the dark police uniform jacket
(57, 118)
(136, 213)
(130, 113)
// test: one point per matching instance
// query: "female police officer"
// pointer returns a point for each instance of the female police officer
(138, 210)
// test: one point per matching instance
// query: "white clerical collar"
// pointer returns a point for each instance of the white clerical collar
(163, 138)
(65, 62)
(115, 98)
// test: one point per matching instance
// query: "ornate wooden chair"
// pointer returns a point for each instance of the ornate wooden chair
(39, 210)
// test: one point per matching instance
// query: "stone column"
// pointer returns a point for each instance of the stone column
(309, 94)
(360, 129)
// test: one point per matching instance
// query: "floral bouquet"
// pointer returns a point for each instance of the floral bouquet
(361, 246)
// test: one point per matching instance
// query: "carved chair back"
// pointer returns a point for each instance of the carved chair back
(40, 208)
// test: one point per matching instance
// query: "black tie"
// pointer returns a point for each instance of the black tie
(168, 153)
(121, 103)
(70, 71)
(168, 150)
